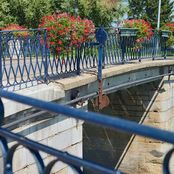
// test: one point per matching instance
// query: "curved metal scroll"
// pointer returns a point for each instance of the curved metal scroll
(50, 166)
(166, 162)
(72, 161)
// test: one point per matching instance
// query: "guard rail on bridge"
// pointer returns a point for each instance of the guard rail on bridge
(74, 162)
(25, 61)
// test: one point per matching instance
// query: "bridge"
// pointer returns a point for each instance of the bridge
(74, 78)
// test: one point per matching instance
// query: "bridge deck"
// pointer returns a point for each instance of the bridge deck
(114, 70)
(115, 76)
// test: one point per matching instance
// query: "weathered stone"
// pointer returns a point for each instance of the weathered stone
(150, 104)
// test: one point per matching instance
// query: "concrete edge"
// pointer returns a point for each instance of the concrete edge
(86, 78)
(44, 92)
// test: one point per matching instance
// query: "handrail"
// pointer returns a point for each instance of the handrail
(34, 147)
(94, 118)
(28, 60)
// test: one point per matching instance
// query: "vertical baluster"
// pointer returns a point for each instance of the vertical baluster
(45, 57)
(1, 60)
(139, 54)
(78, 60)
(1, 86)
(165, 49)
(123, 50)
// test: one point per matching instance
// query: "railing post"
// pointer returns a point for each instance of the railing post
(165, 48)
(154, 47)
(100, 60)
(1, 86)
(139, 54)
(164, 37)
(123, 49)
(78, 60)
(101, 37)
(45, 57)
(1, 60)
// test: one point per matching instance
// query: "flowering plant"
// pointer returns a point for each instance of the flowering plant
(144, 29)
(169, 27)
(65, 31)
(17, 29)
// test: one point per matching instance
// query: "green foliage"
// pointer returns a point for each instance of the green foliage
(94, 10)
(136, 8)
(23, 12)
(99, 14)
(29, 12)
(17, 10)
(148, 10)
(35, 11)
(56, 5)
(103, 15)
(5, 17)
(170, 41)
(120, 11)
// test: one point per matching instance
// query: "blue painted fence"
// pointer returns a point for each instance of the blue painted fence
(75, 162)
(26, 61)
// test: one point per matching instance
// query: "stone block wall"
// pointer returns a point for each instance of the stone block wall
(146, 155)
(61, 133)
(54, 130)
(151, 104)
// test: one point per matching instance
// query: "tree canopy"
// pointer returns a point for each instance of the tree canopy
(28, 13)
(148, 10)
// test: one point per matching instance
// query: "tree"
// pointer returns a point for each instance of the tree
(148, 10)
(120, 11)
(17, 10)
(5, 17)
(136, 8)
(102, 12)
(56, 5)
(24, 12)
(35, 11)
(152, 12)
(28, 13)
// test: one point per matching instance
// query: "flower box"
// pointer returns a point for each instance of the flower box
(165, 33)
(128, 31)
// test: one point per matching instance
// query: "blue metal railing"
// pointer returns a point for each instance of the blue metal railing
(27, 60)
(75, 162)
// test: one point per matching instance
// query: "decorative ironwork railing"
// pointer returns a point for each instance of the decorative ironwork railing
(26, 60)
(76, 163)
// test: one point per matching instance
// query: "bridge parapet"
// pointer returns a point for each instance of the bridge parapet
(28, 61)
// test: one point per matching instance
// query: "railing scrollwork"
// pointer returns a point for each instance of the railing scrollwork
(76, 163)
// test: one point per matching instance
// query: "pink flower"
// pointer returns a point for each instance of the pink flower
(23, 31)
(65, 30)
(144, 28)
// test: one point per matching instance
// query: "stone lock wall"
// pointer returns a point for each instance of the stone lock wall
(57, 131)
(151, 104)
(146, 155)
